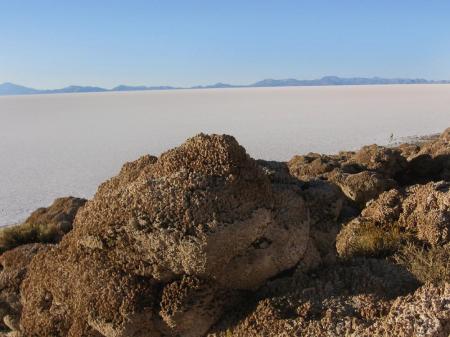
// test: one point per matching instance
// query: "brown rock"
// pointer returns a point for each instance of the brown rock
(332, 301)
(60, 214)
(325, 202)
(204, 211)
(426, 313)
(421, 212)
(408, 150)
(314, 165)
(386, 161)
(362, 187)
(426, 212)
(45, 225)
(431, 162)
(190, 306)
(70, 293)
(14, 265)
(359, 235)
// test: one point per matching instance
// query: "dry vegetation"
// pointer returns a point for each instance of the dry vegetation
(426, 264)
(373, 241)
(14, 236)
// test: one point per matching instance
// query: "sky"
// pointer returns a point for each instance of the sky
(51, 44)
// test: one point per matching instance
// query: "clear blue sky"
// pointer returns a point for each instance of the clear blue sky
(49, 44)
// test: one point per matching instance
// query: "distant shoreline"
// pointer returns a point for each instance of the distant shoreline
(11, 89)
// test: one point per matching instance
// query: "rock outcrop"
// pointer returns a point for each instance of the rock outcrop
(386, 161)
(45, 225)
(14, 265)
(363, 186)
(61, 214)
(361, 175)
(430, 161)
(201, 221)
(332, 301)
(426, 313)
(420, 212)
(205, 241)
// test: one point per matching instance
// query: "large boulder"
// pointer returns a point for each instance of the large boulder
(204, 212)
(205, 208)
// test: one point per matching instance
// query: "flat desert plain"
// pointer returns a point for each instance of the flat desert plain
(66, 144)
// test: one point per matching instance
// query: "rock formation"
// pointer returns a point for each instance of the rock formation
(200, 222)
(332, 301)
(422, 211)
(361, 175)
(45, 225)
(431, 161)
(61, 214)
(14, 265)
(206, 241)
(425, 313)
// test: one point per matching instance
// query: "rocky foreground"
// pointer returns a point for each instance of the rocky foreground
(206, 241)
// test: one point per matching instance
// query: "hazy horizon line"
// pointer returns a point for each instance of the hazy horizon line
(10, 88)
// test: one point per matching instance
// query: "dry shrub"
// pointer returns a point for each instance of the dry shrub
(373, 241)
(14, 236)
(426, 264)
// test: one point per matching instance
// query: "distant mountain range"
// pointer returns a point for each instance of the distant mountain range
(14, 89)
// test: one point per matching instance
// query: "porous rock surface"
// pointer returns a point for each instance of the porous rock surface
(200, 221)
(426, 313)
(386, 161)
(204, 240)
(361, 175)
(421, 210)
(363, 186)
(426, 211)
(14, 264)
(61, 214)
(430, 161)
(332, 301)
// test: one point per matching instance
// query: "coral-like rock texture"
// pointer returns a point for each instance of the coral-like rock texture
(422, 211)
(203, 213)
(206, 241)
(61, 213)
